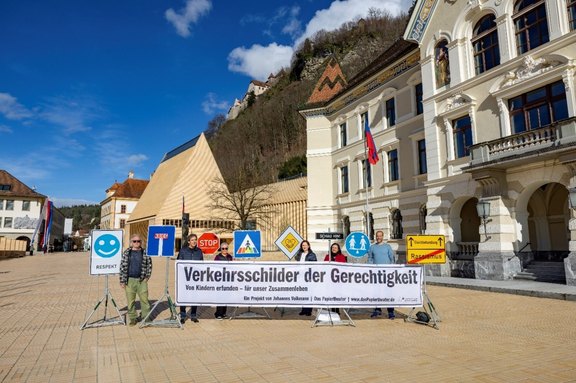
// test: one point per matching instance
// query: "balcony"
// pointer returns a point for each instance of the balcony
(550, 139)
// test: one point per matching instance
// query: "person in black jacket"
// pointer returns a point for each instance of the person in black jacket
(190, 252)
(223, 255)
(305, 254)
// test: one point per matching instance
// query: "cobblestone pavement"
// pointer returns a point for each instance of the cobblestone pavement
(483, 337)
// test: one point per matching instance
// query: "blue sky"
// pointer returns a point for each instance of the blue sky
(92, 90)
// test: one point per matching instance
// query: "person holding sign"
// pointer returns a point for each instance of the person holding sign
(135, 270)
(381, 253)
(190, 252)
(222, 256)
(335, 255)
(305, 254)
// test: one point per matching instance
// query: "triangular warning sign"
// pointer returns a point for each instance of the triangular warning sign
(247, 246)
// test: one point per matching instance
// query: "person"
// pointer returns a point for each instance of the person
(190, 252)
(305, 254)
(135, 271)
(224, 255)
(381, 253)
(335, 255)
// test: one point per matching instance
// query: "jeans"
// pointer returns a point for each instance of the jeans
(133, 288)
(193, 310)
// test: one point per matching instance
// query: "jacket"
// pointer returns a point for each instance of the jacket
(145, 271)
(190, 254)
(310, 257)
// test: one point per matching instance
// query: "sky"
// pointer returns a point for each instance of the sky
(90, 91)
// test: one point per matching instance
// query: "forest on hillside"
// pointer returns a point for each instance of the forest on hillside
(85, 217)
(267, 141)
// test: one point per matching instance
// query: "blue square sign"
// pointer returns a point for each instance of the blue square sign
(247, 244)
(161, 241)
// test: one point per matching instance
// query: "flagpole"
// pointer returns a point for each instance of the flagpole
(367, 166)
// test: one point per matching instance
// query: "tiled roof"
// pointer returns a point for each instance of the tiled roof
(330, 84)
(131, 188)
(17, 188)
(260, 83)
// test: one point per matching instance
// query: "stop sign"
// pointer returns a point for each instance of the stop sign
(209, 243)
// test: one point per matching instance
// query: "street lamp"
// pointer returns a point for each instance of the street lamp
(572, 197)
(483, 209)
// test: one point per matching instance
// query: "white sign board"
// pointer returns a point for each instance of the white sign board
(285, 284)
(289, 242)
(105, 251)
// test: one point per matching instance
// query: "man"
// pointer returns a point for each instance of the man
(135, 271)
(190, 252)
(381, 253)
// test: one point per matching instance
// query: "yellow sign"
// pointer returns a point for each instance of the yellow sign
(425, 249)
(290, 242)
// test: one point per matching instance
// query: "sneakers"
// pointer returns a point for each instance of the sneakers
(219, 317)
(194, 319)
(182, 320)
(391, 317)
(375, 314)
(132, 322)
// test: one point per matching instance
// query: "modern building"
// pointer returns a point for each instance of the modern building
(474, 119)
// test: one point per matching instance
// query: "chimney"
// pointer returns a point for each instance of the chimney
(131, 174)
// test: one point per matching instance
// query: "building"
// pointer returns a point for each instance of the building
(255, 89)
(485, 155)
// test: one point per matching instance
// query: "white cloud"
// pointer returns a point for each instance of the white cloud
(5, 129)
(210, 105)
(74, 115)
(259, 61)
(190, 14)
(12, 109)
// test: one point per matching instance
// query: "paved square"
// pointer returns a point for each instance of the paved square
(483, 337)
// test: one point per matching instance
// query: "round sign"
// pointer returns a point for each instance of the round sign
(209, 243)
(107, 246)
(357, 244)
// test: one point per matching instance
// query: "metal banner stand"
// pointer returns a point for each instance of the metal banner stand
(249, 314)
(105, 321)
(427, 305)
(173, 321)
(332, 322)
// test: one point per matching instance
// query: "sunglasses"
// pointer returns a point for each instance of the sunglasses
(136, 241)
(224, 248)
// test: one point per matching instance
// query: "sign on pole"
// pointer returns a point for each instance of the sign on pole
(289, 242)
(247, 244)
(161, 241)
(209, 243)
(357, 244)
(105, 251)
(329, 235)
(425, 249)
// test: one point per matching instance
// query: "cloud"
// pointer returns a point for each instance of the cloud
(5, 129)
(112, 147)
(259, 61)
(211, 105)
(73, 115)
(190, 14)
(12, 109)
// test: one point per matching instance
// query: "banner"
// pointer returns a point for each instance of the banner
(285, 284)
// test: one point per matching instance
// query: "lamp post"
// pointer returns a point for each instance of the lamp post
(572, 197)
(483, 209)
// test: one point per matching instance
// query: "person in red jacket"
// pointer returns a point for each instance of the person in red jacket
(335, 256)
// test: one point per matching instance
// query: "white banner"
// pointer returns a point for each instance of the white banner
(285, 284)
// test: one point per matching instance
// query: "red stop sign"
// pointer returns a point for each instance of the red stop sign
(209, 243)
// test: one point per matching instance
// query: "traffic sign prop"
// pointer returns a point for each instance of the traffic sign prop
(425, 249)
(329, 235)
(247, 244)
(289, 242)
(105, 251)
(357, 244)
(209, 243)
(161, 241)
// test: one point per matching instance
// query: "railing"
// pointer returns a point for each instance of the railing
(467, 250)
(523, 140)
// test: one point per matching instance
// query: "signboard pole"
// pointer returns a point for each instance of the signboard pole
(173, 320)
(105, 321)
(427, 305)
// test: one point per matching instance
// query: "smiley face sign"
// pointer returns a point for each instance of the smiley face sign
(106, 251)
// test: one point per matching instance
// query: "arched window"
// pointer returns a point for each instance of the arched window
(442, 64)
(485, 44)
(572, 14)
(346, 226)
(397, 229)
(531, 24)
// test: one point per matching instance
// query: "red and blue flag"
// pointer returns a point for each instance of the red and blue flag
(372, 152)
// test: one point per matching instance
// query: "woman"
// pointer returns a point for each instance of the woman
(305, 254)
(223, 255)
(335, 256)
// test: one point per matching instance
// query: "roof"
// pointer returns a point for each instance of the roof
(260, 83)
(289, 190)
(182, 148)
(15, 187)
(131, 188)
(330, 83)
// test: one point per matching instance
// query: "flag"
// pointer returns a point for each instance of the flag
(183, 210)
(372, 153)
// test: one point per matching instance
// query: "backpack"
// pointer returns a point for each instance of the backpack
(422, 316)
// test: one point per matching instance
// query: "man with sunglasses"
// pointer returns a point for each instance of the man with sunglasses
(135, 270)
(190, 252)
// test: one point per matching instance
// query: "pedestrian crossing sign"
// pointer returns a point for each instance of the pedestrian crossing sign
(247, 244)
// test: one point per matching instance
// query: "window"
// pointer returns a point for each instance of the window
(538, 108)
(393, 174)
(122, 223)
(123, 209)
(343, 135)
(346, 226)
(531, 24)
(366, 174)
(422, 166)
(419, 95)
(442, 64)
(390, 112)
(25, 205)
(8, 222)
(485, 44)
(9, 204)
(572, 14)
(5, 187)
(462, 129)
(371, 226)
(364, 123)
(344, 179)
(1, 204)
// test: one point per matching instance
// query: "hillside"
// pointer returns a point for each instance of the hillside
(268, 139)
